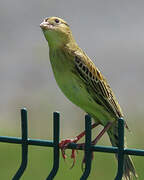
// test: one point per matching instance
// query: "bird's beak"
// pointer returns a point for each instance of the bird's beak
(46, 25)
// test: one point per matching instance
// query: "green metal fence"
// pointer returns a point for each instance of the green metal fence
(25, 142)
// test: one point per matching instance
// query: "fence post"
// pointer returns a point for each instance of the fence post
(24, 128)
(120, 149)
(56, 133)
(88, 152)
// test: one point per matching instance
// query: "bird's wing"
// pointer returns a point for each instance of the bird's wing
(97, 84)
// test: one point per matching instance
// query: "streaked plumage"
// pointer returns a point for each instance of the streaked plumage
(81, 81)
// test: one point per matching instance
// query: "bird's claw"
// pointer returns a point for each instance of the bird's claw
(73, 156)
(63, 145)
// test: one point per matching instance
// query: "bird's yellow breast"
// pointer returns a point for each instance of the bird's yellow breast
(73, 87)
(68, 82)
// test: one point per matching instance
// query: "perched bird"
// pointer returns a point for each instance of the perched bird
(83, 84)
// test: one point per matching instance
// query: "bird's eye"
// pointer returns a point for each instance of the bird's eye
(56, 20)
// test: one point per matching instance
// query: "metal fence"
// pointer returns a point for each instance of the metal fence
(25, 142)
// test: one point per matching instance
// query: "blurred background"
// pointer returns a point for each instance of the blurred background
(112, 34)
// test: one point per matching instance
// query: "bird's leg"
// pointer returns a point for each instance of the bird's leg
(64, 144)
(94, 142)
(102, 133)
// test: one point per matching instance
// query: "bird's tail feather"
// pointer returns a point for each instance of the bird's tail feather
(129, 169)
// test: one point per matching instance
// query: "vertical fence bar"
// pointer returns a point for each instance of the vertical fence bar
(56, 133)
(120, 149)
(88, 152)
(24, 128)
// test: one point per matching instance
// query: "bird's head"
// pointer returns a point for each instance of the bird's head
(56, 31)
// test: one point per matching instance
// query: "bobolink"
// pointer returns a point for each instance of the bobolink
(83, 84)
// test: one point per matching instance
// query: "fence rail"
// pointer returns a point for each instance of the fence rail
(25, 142)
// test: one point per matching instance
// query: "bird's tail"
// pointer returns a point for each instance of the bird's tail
(129, 169)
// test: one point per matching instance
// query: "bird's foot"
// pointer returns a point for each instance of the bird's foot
(63, 146)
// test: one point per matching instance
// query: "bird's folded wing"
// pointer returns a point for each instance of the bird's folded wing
(96, 84)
